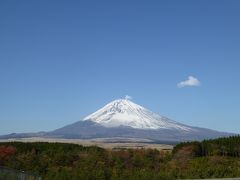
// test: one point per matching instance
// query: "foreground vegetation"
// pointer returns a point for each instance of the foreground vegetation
(212, 158)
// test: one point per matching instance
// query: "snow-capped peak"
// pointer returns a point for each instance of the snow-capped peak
(123, 112)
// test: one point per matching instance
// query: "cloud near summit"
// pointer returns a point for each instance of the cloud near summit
(128, 97)
(191, 81)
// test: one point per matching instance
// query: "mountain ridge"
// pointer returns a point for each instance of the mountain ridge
(124, 119)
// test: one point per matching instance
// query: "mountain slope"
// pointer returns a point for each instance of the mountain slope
(123, 118)
(89, 129)
(123, 112)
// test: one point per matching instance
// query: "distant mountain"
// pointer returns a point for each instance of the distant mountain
(124, 119)
(123, 112)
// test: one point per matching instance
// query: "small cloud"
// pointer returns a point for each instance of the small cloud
(128, 97)
(191, 81)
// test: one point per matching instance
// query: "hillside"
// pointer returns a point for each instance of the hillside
(207, 159)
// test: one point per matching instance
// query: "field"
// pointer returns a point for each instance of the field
(106, 143)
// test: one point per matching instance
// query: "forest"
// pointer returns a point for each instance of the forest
(217, 158)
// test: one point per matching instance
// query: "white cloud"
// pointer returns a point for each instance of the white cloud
(191, 81)
(128, 97)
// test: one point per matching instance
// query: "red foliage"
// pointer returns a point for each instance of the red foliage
(6, 152)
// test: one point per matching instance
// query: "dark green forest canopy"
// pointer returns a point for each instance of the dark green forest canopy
(225, 146)
(207, 159)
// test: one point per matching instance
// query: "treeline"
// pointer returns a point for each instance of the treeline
(217, 158)
(69, 161)
(226, 146)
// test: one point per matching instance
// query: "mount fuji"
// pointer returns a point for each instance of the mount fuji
(122, 118)
(123, 112)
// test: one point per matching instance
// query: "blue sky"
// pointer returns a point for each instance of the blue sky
(61, 60)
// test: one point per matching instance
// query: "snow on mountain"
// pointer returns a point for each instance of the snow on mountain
(123, 112)
(125, 119)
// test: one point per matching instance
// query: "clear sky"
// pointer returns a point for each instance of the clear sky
(61, 60)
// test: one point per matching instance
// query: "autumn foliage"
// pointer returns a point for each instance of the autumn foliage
(217, 158)
(6, 152)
